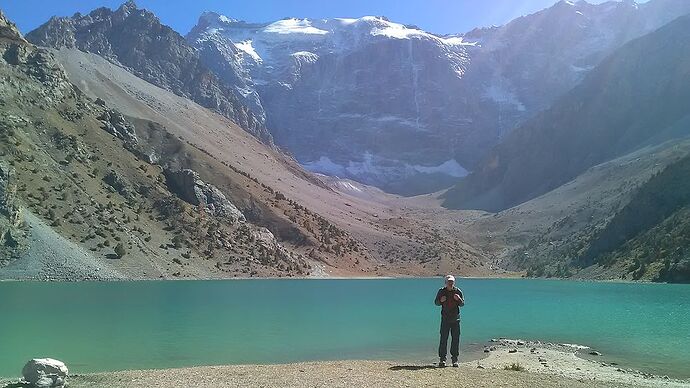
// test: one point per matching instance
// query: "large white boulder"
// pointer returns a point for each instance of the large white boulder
(45, 373)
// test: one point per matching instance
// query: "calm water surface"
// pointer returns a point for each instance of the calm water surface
(114, 326)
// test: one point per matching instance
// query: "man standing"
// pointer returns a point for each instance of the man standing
(450, 299)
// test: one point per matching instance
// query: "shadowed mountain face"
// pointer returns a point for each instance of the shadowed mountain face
(653, 229)
(636, 97)
(136, 39)
(403, 109)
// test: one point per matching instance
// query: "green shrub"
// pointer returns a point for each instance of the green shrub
(515, 367)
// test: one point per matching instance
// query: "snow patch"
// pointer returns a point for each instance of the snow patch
(247, 47)
(372, 166)
(458, 41)
(305, 56)
(294, 26)
(449, 167)
(499, 94)
(225, 19)
(325, 165)
(347, 186)
(397, 31)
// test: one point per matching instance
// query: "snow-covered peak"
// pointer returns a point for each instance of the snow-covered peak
(318, 29)
(279, 54)
(293, 26)
(280, 50)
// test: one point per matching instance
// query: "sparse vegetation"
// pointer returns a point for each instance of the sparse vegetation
(516, 367)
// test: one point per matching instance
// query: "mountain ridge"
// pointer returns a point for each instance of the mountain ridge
(597, 121)
(135, 38)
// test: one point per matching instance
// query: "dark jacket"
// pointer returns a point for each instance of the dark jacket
(450, 309)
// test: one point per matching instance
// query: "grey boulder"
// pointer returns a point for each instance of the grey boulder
(117, 125)
(45, 373)
(187, 185)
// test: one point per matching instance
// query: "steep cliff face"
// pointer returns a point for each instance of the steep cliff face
(531, 61)
(403, 109)
(136, 39)
(359, 98)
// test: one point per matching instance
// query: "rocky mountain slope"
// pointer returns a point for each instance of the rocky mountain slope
(618, 108)
(136, 39)
(104, 175)
(586, 228)
(652, 229)
(117, 178)
(89, 193)
(359, 98)
(531, 61)
(391, 242)
(403, 109)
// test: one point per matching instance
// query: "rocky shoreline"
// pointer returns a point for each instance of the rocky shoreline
(568, 361)
(507, 363)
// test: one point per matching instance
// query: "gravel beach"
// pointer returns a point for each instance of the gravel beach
(340, 374)
(544, 365)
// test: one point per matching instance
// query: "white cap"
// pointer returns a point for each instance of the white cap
(450, 278)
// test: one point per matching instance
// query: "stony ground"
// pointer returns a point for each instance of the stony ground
(333, 374)
(52, 257)
(508, 363)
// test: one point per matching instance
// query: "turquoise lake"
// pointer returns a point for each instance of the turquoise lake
(159, 324)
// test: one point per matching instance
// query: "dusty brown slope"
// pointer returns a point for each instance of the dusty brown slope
(373, 234)
(392, 235)
(75, 165)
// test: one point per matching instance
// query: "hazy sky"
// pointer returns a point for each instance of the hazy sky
(439, 16)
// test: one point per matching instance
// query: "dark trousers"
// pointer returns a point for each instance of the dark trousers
(452, 327)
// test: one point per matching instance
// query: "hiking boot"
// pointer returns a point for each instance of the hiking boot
(442, 364)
